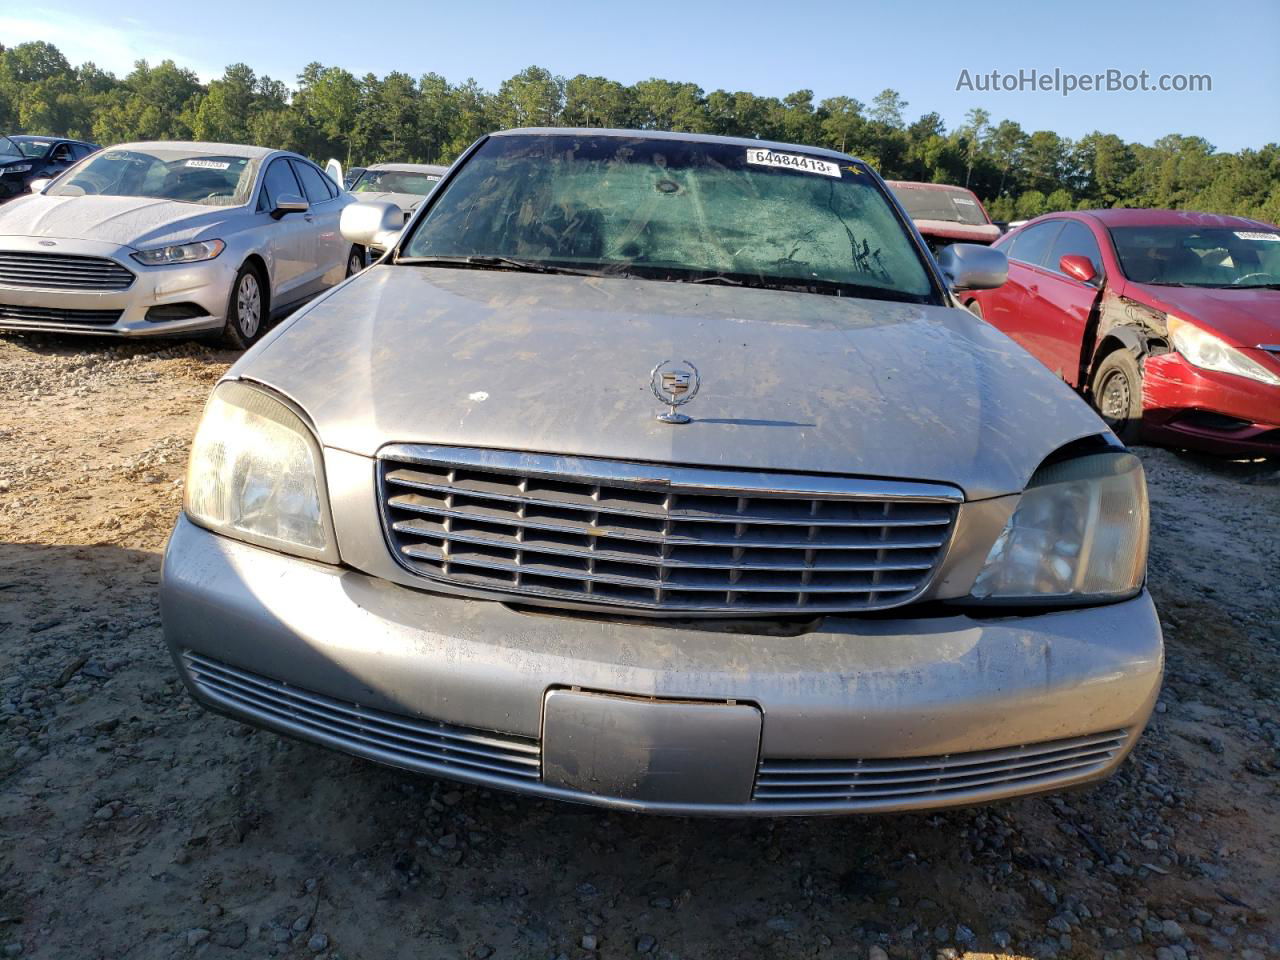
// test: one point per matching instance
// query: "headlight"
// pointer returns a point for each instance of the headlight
(1079, 532)
(16, 168)
(182, 253)
(256, 474)
(1202, 349)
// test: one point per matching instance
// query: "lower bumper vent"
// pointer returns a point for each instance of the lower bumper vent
(1026, 768)
(423, 745)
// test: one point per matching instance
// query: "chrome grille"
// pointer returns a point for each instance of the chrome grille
(61, 271)
(36, 316)
(661, 538)
(423, 745)
(839, 782)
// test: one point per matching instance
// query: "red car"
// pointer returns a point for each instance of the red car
(1168, 321)
(945, 214)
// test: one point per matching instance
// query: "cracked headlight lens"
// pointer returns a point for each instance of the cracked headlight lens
(1079, 533)
(257, 474)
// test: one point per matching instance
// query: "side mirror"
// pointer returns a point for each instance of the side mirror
(289, 203)
(37, 185)
(371, 223)
(970, 266)
(1074, 265)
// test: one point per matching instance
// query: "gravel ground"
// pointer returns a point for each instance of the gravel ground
(132, 824)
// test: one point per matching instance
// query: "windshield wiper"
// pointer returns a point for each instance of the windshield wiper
(487, 262)
(717, 278)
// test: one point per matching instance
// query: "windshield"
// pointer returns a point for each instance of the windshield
(164, 174)
(8, 148)
(396, 181)
(676, 210)
(931, 203)
(1199, 256)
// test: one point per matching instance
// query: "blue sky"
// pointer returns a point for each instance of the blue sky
(769, 48)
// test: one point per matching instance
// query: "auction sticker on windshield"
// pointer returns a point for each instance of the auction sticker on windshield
(1258, 235)
(209, 164)
(792, 161)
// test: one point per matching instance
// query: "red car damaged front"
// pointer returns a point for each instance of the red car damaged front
(1234, 411)
(1167, 321)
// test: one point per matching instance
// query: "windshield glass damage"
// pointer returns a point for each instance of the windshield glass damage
(675, 210)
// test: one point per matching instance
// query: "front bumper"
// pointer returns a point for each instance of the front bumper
(205, 285)
(1185, 406)
(854, 715)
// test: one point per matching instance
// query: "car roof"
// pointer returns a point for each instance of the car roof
(36, 136)
(667, 135)
(433, 168)
(1132, 217)
(197, 146)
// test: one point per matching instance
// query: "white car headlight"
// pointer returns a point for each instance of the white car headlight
(1202, 349)
(1079, 533)
(181, 253)
(257, 474)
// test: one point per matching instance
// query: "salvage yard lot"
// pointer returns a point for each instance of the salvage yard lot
(133, 824)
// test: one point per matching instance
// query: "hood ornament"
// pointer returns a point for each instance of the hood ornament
(674, 384)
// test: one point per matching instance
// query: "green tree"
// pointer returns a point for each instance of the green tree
(532, 98)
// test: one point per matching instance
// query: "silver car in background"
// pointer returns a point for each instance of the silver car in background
(173, 238)
(404, 184)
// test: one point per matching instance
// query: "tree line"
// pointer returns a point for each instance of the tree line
(331, 112)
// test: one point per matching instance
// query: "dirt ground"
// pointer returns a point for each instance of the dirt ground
(134, 825)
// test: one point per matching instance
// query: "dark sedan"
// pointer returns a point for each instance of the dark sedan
(25, 158)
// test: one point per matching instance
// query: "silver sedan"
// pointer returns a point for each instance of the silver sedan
(173, 238)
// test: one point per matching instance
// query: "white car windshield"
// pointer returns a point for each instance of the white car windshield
(680, 210)
(396, 181)
(174, 173)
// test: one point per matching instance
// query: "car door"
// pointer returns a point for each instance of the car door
(289, 238)
(59, 158)
(1065, 303)
(1007, 307)
(328, 249)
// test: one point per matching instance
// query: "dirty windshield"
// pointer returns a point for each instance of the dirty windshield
(934, 203)
(396, 181)
(162, 173)
(674, 210)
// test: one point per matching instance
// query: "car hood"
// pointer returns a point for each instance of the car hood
(402, 200)
(128, 221)
(790, 381)
(965, 232)
(1244, 317)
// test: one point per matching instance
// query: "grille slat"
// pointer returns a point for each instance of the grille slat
(661, 538)
(824, 781)
(13, 313)
(737, 559)
(60, 271)
(408, 740)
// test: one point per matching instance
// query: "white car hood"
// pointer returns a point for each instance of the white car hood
(129, 221)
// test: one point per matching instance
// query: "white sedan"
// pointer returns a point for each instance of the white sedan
(173, 238)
